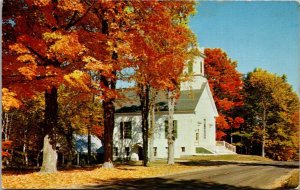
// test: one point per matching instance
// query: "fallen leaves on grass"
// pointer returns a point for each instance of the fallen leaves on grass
(63, 179)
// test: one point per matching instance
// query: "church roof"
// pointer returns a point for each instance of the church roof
(187, 101)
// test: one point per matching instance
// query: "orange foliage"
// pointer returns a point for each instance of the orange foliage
(226, 85)
(6, 145)
(159, 46)
(80, 178)
(98, 131)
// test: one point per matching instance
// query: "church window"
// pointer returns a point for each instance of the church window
(155, 151)
(116, 151)
(125, 130)
(127, 151)
(174, 128)
(183, 149)
(197, 136)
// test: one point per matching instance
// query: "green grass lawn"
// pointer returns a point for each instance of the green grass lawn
(235, 157)
(195, 159)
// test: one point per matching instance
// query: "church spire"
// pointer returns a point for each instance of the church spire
(196, 70)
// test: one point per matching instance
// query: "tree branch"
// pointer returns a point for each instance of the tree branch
(80, 18)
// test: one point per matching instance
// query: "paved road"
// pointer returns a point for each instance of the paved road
(229, 176)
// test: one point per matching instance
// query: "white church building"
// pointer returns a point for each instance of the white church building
(194, 121)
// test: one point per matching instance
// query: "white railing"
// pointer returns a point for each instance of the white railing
(226, 145)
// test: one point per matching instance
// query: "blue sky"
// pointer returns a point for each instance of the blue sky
(255, 34)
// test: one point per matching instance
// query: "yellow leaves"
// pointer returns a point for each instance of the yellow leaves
(96, 65)
(71, 5)
(28, 72)
(82, 177)
(41, 3)
(79, 80)
(26, 58)
(65, 46)
(19, 48)
(51, 36)
(9, 100)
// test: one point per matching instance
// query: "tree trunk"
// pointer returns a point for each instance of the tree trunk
(70, 152)
(151, 133)
(5, 126)
(78, 158)
(264, 132)
(170, 136)
(49, 155)
(38, 159)
(144, 98)
(89, 145)
(109, 122)
(25, 162)
(109, 109)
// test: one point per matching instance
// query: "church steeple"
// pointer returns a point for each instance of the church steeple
(196, 70)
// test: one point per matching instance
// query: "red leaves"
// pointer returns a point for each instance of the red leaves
(6, 145)
(238, 121)
(222, 123)
(226, 85)
(98, 131)
(5, 154)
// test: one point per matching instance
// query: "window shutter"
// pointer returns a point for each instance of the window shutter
(121, 130)
(128, 132)
(166, 129)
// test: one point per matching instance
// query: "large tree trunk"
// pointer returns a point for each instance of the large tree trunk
(109, 109)
(49, 150)
(151, 132)
(144, 98)
(109, 121)
(170, 136)
(49, 157)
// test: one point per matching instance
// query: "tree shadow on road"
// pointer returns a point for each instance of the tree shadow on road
(223, 163)
(162, 183)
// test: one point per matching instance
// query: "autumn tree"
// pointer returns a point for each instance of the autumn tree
(9, 102)
(272, 108)
(56, 38)
(159, 43)
(43, 42)
(226, 85)
(37, 55)
(79, 111)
